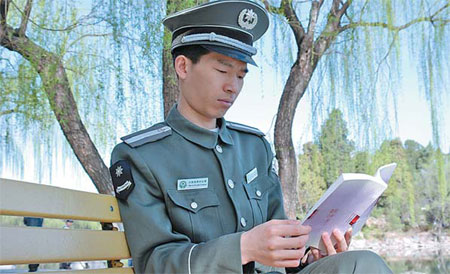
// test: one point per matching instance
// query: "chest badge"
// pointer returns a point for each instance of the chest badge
(195, 183)
(249, 177)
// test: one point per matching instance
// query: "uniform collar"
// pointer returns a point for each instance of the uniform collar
(196, 134)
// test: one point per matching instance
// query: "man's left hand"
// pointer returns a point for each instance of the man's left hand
(342, 243)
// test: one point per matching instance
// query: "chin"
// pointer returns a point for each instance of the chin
(222, 113)
(219, 112)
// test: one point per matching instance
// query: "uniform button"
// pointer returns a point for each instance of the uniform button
(219, 148)
(258, 193)
(194, 205)
(230, 183)
(243, 222)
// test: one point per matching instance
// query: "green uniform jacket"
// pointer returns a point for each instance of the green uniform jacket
(195, 192)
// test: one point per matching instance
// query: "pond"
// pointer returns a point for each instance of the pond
(414, 265)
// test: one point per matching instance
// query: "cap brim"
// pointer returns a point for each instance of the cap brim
(233, 53)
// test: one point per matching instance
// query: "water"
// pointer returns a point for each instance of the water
(413, 265)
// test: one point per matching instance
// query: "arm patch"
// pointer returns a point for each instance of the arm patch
(122, 179)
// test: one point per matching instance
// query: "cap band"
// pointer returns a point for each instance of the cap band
(213, 37)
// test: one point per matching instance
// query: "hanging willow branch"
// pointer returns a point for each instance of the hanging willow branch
(56, 85)
(25, 17)
(430, 19)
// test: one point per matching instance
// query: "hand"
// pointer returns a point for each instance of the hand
(277, 243)
(342, 243)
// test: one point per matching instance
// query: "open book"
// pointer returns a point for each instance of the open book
(347, 203)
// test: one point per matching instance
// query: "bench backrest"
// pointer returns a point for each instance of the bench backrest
(25, 245)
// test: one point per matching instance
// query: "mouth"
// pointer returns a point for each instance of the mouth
(227, 102)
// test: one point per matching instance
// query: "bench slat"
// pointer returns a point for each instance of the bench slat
(119, 270)
(23, 245)
(19, 198)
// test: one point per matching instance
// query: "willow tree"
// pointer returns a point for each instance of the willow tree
(356, 46)
(77, 61)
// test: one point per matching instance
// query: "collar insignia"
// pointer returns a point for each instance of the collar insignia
(249, 177)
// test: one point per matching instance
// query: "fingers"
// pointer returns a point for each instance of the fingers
(328, 244)
(292, 230)
(348, 236)
(285, 228)
(289, 254)
(341, 243)
(316, 254)
(283, 222)
(288, 258)
(292, 243)
(286, 263)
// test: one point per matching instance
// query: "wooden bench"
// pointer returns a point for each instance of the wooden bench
(28, 245)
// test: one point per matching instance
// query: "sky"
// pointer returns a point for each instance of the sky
(257, 106)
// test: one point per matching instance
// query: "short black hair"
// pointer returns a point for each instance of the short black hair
(193, 52)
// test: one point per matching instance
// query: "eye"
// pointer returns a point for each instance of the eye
(221, 71)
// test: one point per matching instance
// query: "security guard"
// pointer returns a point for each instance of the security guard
(198, 194)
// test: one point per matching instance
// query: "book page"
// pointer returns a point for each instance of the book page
(385, 173)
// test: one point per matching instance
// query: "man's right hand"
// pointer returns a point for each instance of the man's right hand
(277, 243)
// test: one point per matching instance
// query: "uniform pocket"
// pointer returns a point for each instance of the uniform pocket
(193, 200)
(257, 191)
(195, 213)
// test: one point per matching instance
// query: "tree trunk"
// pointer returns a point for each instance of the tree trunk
(170, 85)
(285, 152)
(56, 85)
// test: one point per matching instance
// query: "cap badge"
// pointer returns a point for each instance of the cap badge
(247, 19)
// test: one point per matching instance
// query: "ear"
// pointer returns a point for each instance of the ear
(182, 66)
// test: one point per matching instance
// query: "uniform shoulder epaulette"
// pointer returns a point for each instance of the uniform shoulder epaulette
(151, 134)
(245, 128)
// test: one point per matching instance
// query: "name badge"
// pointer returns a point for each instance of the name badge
(195, 183)
(251, 175)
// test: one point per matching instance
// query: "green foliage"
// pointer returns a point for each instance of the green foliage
(361, 162)
(332, 138)
(50, 223)
(417, 193)
(399, 198)
(311, 184)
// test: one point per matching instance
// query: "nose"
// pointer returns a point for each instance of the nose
(232, 85)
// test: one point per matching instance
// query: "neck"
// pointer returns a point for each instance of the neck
(198, 120)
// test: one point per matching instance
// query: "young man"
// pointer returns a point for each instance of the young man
(198, 194)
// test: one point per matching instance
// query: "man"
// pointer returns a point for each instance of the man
(198, 194)
(68, 224)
